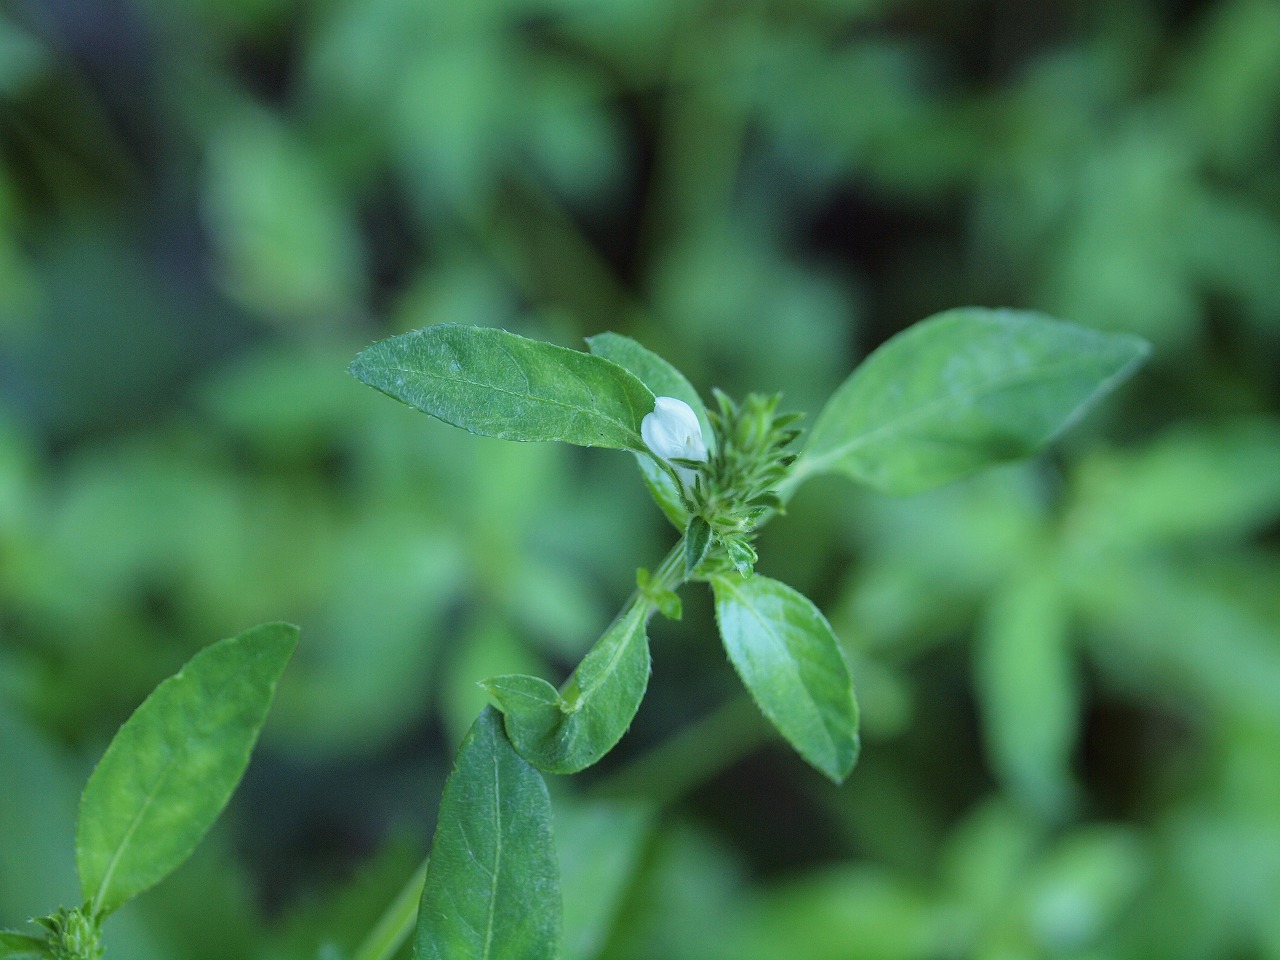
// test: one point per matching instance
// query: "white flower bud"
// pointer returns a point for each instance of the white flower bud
(672, 431)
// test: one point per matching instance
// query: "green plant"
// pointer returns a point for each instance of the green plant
(959, 392)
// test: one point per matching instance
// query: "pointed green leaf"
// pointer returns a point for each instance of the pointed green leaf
(498, 384)
(696, 541)
(790, 661)
(493, 885)
(1027, 689)
(173, 765)
(565, 733)
(961, 391)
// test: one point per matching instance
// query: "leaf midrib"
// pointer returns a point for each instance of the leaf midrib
(497, 854)
(114, 862)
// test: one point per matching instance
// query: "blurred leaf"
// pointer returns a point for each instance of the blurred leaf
(827, 914)
(785, 653)
(1168, 629)
(961, 391)
(1028, 691)
(600, 847)
(280, 225)
(565, 733)
(22, 58)
(497, 384)
(37, 808)
(1084, 885)
(20, 946)
(493, 886)
(172, 767)
(491, 648)
(1194, 483)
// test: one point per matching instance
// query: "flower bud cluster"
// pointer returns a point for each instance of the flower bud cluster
(732, 488)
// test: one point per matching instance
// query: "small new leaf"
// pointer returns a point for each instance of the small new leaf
(961, 391)
(790, 661)
(497, 384)
(667, 601)
(567, 732)
(173, 765)
(697, 540)
(741, 554)
(492, 890)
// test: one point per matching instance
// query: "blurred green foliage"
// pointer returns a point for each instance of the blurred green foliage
(1069, 671)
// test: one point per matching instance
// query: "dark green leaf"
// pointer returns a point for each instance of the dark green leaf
(174, 764)
(961, 391)
(493, 886)
(696, 541)
(497, 384)
(565, 733)
(789, 659)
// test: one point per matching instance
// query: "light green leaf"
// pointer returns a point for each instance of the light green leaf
(20, 946)
(1027, 689)
(567, 732)
(665, 381)
(601, 847)
(173, 765)
(1195, 482)
(788, 657)
(961, 391)
(497, 384)
(493, 886)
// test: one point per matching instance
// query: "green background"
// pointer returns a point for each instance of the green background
(1069, 670)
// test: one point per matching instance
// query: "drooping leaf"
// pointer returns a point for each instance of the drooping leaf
(1027, 691)
(174, 763)
(567, 732)
(493, 885)
(665, 381)
(961, 391)
(789, 659)
(497, 384)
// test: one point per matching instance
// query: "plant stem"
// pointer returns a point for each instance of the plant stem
(394, 926)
